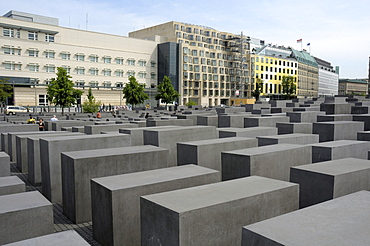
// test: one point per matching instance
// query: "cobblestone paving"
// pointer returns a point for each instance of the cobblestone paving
(61, 222)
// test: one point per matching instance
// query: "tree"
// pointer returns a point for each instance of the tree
(167, 93)
(91, 105)
(5, 91)
(289, 87)
(257, 89)
(60, 91)
(133, 92)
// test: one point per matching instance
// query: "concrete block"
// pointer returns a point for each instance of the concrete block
(78, 167)
(169, 137)
(268, 161)
(359, 109)
(80, 129)
(230, 110)
(4, 164)
(250, 132)
(264, 121)
(97, 129)
(334, 117)
(364, 118)
(24, 215)
(233, 120)
(213, 214)
(207, 120)
(116, 199)
(293, 127)
(137, 134)
(11, 185)
(12, 148)
(307, 116)
(5, 128)
(337, 130)
(342, 221)
(58, 125)
(169, 122)
(33, 160)
(363, 135)
(295, 138)
(330, 179)
(336, 108)
(64, 238)
(207, 153)
(52, 147)
(334, 150)
(192, 117)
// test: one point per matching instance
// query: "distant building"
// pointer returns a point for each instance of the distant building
(353, 87)
(328, 78)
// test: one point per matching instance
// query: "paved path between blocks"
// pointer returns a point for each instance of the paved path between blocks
(61, 222)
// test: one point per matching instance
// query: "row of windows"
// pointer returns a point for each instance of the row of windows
(201, 32)
(272, 61)
(210, 77)
(15, 33)
(280, 70)
(216, 85)
(272, 77)
(211, 93)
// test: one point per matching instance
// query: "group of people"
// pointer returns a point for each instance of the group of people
(41, 123)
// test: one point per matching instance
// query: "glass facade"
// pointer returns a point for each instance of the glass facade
(168, 63)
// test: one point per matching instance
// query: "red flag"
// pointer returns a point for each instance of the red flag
(299, 41)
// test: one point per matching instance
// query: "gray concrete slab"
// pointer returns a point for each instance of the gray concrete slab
(116, 199)
(330, 179)
(5, 128)
(295, 138)
(169, 137)
(233, 120)
(213, 214)
(335, 150)
(364, 118)
(52, 147)
(207, 153)
(24, 215)
(137, 134)
(64, 238)
(250, 132)
(11, 185)
(334, 117)
(307, 116)
(207, 120)
(4, 164)
(78, 167)
(97, 129)
(267, 161)
(336, 108)
(294, 127)
(268, 121)
(339, 222)
(337, 130)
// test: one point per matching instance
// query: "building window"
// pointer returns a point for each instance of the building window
(33, 67)
(152, 75)
(94, 71)
(43, 100)
(131, 62)
(50, 54)
(94, 58)
(152, 63)
(66, 56)
(119, 73)
(107, 72)
(142, 63)
(80, 57)
(119, 61)
(67, 68)
(142, 75)
(49, 38)
(107, 84)
(107, 59)
(12, 66)
(80, 70)
(12, 51)
(32, 35)
(94, 83)
(33, 53)
(80, 83)
(50, 68)
(119, 84)
(130, 73)
(12, 33)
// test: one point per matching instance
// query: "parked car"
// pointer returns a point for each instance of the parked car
(15, 109)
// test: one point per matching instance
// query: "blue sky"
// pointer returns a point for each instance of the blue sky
(338, 31)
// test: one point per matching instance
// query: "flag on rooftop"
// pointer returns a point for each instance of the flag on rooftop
(299, 41)
(308, 44)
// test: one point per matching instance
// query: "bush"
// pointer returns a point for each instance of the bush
(190, 103)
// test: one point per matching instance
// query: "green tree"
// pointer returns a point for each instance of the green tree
(5, 90)
(257, 89)
(133, 92)
(60, 91)
(167, 93)
(91, 105)
(190, 103)
(289, 87)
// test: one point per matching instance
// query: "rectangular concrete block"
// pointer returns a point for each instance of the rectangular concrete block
(364, 118)
(334, 150)
(116, 199)
(169, 137)
(207, 120)
(64, 238)
(4, 164)
(330, 179)
(207, 153)
(232, 120)
(137, 134)
(294, 127)
(264, 121)
(52, 147)
(78, 167)
(267, 161)
(11, 185)
(5, 128)
(213, 214)
(97, 129)
(337, 130)
(250, 132)
(307, 116)
(334, 117)
(342, 221)
(295, 138)
(336, 108)
(24, 215)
